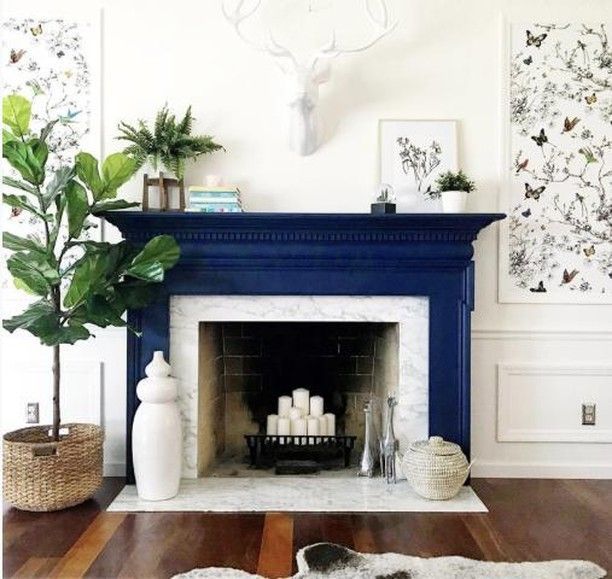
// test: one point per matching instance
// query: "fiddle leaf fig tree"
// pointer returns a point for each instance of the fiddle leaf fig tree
(77, 283)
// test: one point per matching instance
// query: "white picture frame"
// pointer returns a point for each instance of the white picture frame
(413, 153)
(536, 227)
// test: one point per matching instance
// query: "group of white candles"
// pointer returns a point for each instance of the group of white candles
(301, 414)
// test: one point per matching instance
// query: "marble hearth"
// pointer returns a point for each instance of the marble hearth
(407, 377)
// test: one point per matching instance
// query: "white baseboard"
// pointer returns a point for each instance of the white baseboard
(489, 469)
(114, 469)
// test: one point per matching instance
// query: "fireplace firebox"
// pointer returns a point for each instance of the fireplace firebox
(422, 255)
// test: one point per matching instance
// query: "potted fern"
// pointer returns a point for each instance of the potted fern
(454, 188)
(169, 144)
(77, 284)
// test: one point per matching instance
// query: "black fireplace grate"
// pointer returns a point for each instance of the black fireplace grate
(266, 450)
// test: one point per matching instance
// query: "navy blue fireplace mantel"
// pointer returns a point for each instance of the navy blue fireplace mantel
(323, 254)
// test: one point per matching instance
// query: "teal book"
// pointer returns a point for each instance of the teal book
(214, 208)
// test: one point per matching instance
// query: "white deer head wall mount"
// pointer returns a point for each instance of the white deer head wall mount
(304, 78)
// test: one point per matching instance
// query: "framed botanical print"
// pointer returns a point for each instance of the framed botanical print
(556, 244)
(413, 153)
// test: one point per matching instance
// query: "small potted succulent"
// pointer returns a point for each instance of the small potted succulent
(453, 189)
(385, 200)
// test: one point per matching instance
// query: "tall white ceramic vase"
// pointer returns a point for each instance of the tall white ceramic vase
(156, 433)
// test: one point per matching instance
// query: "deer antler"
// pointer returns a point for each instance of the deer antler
(382, 27)
(238, 15)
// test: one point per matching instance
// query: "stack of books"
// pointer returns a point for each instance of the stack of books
(223, 199)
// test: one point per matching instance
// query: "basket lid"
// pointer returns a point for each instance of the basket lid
(437, 446)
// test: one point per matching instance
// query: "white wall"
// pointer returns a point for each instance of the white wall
(442, 61)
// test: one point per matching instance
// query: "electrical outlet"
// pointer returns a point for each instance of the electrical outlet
(588, 414)
(32, 415)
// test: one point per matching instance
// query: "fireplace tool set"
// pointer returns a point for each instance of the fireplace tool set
(379, 452)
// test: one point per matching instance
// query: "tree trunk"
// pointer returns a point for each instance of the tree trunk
(56, 392)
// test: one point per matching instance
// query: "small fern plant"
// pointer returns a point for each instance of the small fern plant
(450, 181)
(169, 144)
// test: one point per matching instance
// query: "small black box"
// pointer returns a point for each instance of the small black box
(382, 208)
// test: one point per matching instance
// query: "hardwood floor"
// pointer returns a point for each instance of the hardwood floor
(529, 520)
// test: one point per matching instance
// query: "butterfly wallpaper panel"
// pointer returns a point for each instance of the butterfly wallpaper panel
(556, 244)
(54, 61)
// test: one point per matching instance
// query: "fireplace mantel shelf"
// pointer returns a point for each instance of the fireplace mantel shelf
(325, 254)
(303, 227)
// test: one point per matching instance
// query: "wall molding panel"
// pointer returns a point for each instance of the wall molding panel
(551, 398)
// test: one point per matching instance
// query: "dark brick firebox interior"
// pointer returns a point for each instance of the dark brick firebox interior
(251, 364)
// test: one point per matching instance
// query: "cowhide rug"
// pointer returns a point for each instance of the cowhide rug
(336, 562)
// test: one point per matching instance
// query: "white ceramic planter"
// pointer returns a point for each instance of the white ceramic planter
(156, 434)
(454, 201)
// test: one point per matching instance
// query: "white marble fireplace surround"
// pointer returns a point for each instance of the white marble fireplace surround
(410, 313)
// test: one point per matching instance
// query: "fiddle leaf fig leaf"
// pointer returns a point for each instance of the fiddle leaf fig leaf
(27, 158)
(117, 169)
(162, 248)
(7, 136)
(16, 243)
(16, 113)
(57, 184)
(40, 316)
(112, 205)
(21, 202)
(66, 335)
(43, 321)
(87, 279)
(135, 293)
(34, 271)
(103, 312)
(87, 170)
(158, 255)
(77, 206)
(16, 184)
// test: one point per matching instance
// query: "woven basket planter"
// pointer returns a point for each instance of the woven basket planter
(436, 469)
(40, 475)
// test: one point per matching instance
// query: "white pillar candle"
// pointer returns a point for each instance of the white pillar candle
(313, 425)
(272, 424)
(322, 426)
(299, 427)
(284, 427)
(331, 423)
(301, 399)
(296, 413)
(284, 405)
(316, 406)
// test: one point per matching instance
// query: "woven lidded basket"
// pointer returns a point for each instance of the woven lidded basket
(41, 475)
(436, 469)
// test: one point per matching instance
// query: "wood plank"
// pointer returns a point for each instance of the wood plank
(276, 554)
(486, 537)
(50, 535)
(542, 519)
(89, 545)
(36, 567)
(363, 537)
(163, 544)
